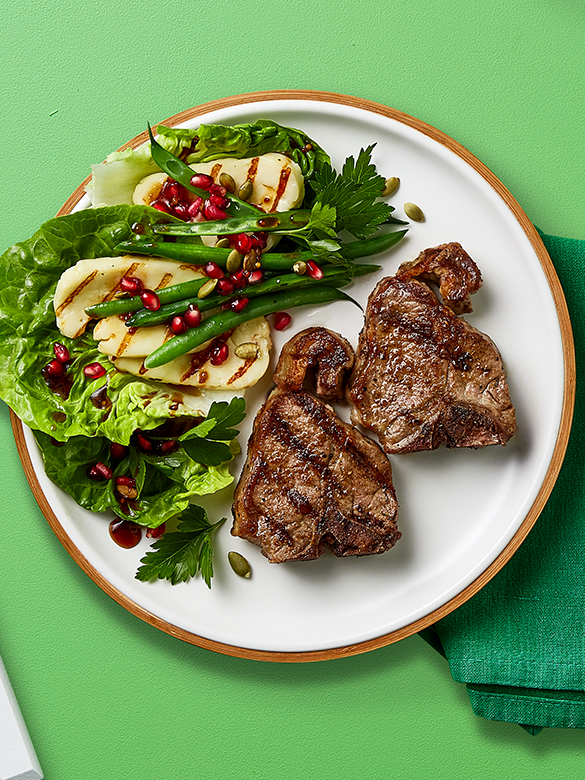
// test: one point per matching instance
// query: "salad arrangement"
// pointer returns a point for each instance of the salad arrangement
(143, 439)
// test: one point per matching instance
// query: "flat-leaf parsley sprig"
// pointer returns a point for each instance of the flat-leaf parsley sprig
(181, 554)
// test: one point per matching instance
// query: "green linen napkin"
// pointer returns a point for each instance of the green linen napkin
(519, 644)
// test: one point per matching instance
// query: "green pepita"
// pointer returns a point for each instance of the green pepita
(390, 186)
(239, 564)
(222, 243)
(245, 191)
(207, 288)
(247, 351)
(228, 182)
(413, 212)
(233, 262)
(300, 267)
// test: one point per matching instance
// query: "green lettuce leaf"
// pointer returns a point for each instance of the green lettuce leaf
(29, 272)
(113, 181)
(166, 483)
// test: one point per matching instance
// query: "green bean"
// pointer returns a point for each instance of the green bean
(182, 173)
(276, 220)
(226, 320)
(186, 253)
(126, 305)
(335, 276)
(372, 246)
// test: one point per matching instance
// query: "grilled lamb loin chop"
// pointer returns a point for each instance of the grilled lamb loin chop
(423, 375)
(310, 479)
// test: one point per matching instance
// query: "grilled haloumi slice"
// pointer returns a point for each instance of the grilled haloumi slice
(92, 281)
(195, 369)
(278, 183)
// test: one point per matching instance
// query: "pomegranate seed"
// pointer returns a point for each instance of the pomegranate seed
(104, 470)
(282, 320)
(239, 303)
(144, 443)
(55, 368)
(192, 316)
(219, 355)
(313, 270)
(217, 189)
(239, 279)
(178, 325)
(256, 276)
(213, 212)
(195, 207)
(221, 203)
(202, 181)
(150, 300)
(213, 271)
(127, 481)
(118, 451)
(225, 287)
(171, 189)
(182, 211)
(243, 243)
(155, 533)
(94, 370)
(162, 205)
(61, 352)
(125, 533)
(130, 284)
(260, 239)
(94, 474)
(168, 446)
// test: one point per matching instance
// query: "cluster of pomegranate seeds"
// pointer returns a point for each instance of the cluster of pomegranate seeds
(177, 200)
(244, 242)
(58, 366)
(282, 320)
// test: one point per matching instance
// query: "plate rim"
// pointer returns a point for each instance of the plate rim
(569, 374)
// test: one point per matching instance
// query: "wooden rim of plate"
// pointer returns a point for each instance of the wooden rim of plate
(556, 459)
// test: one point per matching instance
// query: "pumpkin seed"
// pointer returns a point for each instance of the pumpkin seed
(228, 182)
(239, 564)
(413, 212)
(247, 351)
(207, 288)
(300, 267)
(222, 243)
(233, 262)
(390, 186)
(245, 191)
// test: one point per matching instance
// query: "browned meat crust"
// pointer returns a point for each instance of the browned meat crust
(310, 479)
(424, 376)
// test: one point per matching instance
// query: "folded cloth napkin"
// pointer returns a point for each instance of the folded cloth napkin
(519, 644)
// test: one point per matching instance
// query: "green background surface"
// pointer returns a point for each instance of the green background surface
(105, 695)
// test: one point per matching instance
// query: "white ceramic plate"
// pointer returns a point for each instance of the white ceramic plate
(462, 512)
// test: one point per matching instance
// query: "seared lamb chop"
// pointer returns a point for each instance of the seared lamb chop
(423, 375)
(311, 479)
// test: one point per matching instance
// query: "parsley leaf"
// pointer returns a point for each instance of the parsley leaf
(179, 555)
(226, 415)
(209, 453)
(353, 193)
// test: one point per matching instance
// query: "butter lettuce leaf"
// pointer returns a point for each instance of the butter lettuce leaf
(114, 405)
